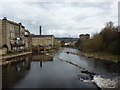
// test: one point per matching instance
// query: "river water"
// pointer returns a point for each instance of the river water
(43, 71)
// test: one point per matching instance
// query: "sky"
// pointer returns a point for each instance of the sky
(62, 19)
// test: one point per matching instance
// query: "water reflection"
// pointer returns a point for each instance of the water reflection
(42, 58)
(15, 72)
(40, 63)
(12, 72)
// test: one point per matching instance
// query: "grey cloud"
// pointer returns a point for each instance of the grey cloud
(60, 19)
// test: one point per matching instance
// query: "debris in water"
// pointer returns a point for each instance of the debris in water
(87, 72)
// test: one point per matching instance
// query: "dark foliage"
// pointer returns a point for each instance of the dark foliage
(108, 40)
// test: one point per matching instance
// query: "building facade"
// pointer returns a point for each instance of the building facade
(28, 40)
(12, 34)
(84, 37)
(0, 33)
(43, 40)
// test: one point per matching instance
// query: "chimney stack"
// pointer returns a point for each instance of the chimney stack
(40, 31)
(5, 18)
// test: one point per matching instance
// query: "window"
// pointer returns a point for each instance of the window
(17, 35)
(16, 28)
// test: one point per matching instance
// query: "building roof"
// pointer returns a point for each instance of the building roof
(12, 22)
(42, 35)
(27, 31)
(85, 35)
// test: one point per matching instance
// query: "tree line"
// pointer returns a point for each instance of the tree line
(107, 40)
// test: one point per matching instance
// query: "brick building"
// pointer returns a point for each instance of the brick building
(28, 40)
(0, 33)
(12, 34)
(43, 40)
(84, 37)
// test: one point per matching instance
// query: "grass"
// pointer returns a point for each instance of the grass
(103, 56)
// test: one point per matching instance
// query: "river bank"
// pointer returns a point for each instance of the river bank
(11, 56)
(103, 56)
(99, 55)
(7, 56)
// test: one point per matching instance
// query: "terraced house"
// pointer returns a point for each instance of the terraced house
(12, 34)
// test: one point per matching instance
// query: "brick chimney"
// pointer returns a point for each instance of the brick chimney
(5, 18)
(40, 31)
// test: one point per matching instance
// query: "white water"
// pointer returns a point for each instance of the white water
(103, 82)
(106, 82)
(87, 81)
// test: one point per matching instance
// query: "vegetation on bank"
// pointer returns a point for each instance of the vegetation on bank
(104, 44)
(103, 56)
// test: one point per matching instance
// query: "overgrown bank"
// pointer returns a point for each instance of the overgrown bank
(103, 45)
(103, 56)
(98, 55)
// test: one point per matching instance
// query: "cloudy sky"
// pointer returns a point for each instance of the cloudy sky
(62, 19)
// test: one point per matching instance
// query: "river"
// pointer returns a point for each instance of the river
(48, 71)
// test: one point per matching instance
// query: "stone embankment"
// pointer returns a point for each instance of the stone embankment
(2, 62)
